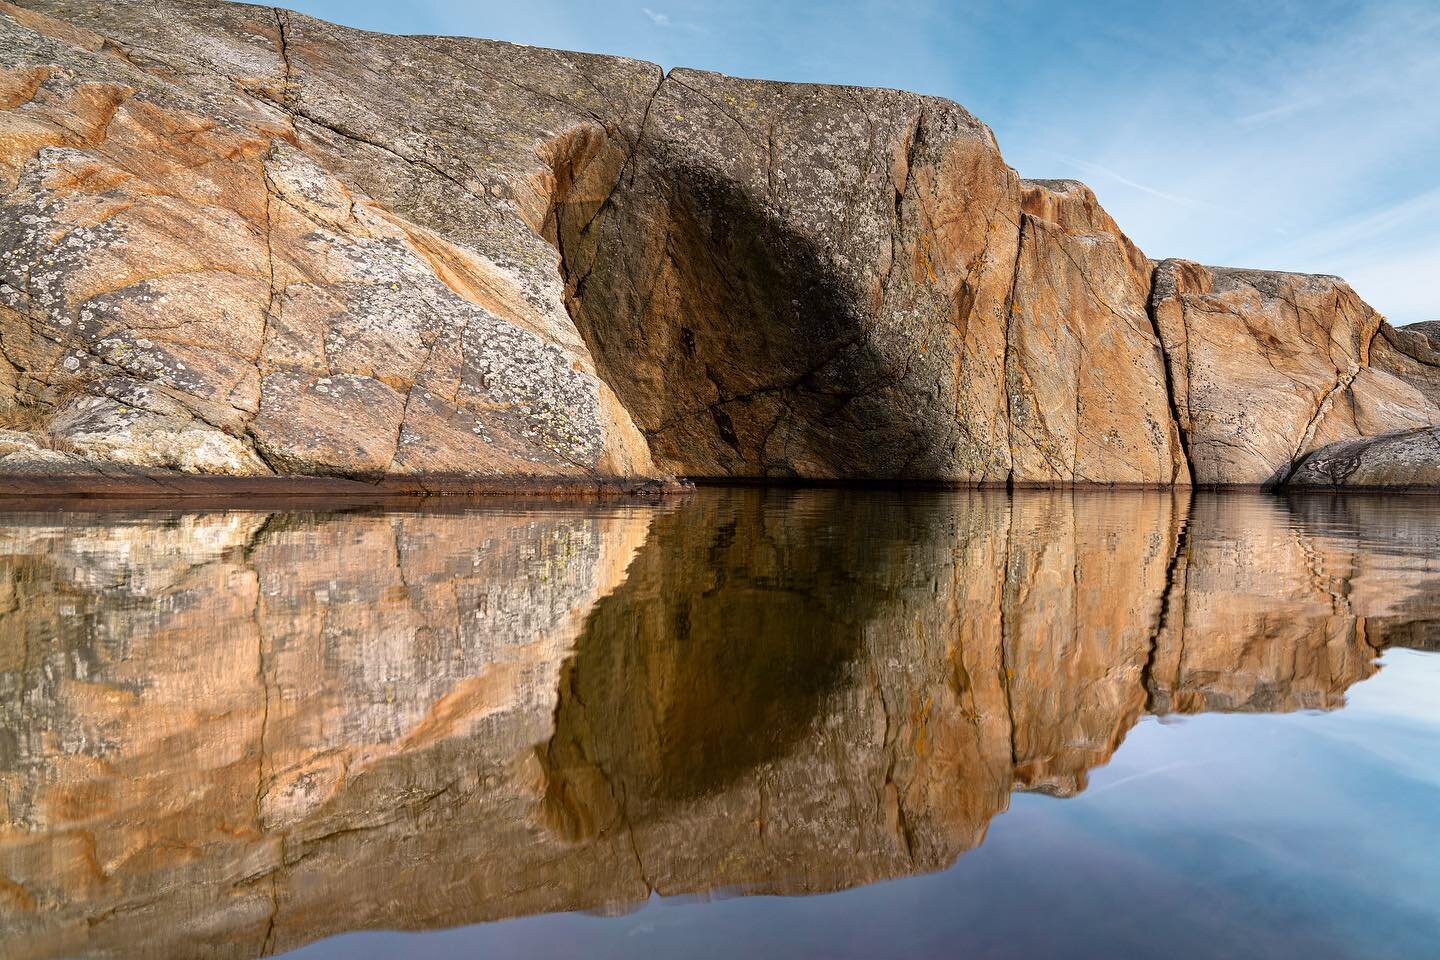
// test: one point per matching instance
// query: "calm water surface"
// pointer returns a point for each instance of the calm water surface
(746, 723)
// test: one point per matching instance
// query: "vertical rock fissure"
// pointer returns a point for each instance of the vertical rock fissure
(1167, 596)
(1010, 307)
(1005, 629)
(283, 42)
(436, 337)
(1171, 398)
(270, 314)
(269, 938)
(632, 151)
(260, 759)
(912, 144)
(272, 306)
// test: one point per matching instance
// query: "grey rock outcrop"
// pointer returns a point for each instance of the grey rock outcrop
(1409, 459)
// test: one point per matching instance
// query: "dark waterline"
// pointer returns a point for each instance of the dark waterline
(766, 722)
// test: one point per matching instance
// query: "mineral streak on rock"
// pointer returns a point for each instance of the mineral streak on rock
(233, 733)
(240, 241)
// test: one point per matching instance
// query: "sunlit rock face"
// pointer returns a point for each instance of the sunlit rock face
(1084, 367)
(236, 732)
(218, 258)
(1411, 353)
(239, 241)
(1269, 366)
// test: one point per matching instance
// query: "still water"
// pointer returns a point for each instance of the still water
(743, 723)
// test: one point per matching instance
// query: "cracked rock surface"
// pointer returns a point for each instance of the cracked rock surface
(1269, 366)
(237, 240)
(216, 261)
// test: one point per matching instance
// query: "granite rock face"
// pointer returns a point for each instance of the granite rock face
(218, 259)
(805, 281)
(1411, 353)
(1085, 368)
(1268, 366)
(241, 241)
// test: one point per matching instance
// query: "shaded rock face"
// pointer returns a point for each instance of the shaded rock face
(804, 281)
(231, 733)
(1410, 459)
(241, 241)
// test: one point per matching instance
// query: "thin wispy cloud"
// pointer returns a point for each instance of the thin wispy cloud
(1282, 110)
(1374, 227)
(1100, 170)
(1161, 770)
(666, 22)
(1087, 166)
(1303, 143)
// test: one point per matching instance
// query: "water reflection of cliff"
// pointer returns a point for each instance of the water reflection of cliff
(234, 733)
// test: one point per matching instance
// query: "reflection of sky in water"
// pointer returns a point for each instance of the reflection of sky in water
(1302, 835)
(266, 729)
(1406, 689)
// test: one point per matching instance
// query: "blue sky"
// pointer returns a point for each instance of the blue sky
(1287, 135)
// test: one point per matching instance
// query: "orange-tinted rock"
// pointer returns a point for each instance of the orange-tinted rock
(182, 249)
(1082, 606)
(1268, 366)
(1411, 353)
(1254, 621)
(241, 241)
(1085, 371)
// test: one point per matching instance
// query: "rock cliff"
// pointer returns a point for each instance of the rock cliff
(239, 241)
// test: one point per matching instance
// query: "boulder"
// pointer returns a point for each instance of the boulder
(1406, 458)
